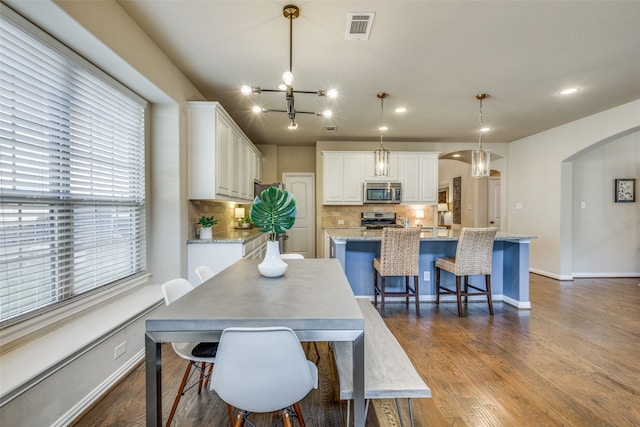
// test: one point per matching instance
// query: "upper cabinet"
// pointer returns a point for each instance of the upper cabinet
(346, 171)
(343, 177)
(369, 167)
(418, 173)
(223, 163)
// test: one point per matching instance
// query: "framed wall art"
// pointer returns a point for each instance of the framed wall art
(457, 200)
(625, 190)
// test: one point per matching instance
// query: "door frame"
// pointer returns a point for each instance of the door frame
(311, 202)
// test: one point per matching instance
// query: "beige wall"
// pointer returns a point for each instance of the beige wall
(280, 159)
(296, 159)
(269, 162)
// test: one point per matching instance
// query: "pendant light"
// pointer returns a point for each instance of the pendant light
(381, 155)
(480, 158)
(290, 12)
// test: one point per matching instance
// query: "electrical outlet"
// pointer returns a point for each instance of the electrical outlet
(341, 222)
(120, 349)
(427, 276)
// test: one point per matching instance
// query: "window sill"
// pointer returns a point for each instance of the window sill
(25, 365)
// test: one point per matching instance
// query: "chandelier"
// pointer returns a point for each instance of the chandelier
(480, 158)
(290, 12)
(381, 155)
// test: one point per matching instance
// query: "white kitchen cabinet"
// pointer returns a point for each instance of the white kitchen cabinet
(409, 177)
(257, 168)
(343, 177)
(429, 178)
(369, 168)
(222, 160)
(419, 176)
(218, 256)
(220, 165)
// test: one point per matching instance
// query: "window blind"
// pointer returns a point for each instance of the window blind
(72, 177)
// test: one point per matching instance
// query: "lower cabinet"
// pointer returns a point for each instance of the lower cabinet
(218, 256)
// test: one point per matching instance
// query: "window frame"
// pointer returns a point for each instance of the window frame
(62, 307)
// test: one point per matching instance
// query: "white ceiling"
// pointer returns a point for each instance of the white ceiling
(431, 56)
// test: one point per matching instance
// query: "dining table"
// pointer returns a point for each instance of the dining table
(313, 298)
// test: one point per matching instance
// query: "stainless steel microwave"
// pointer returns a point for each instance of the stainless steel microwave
(382, 192)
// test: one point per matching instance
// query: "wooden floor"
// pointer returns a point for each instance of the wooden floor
(573, 360)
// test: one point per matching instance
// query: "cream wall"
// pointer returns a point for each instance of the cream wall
(540, 181)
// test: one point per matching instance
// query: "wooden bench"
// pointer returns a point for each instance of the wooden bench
(388, 372)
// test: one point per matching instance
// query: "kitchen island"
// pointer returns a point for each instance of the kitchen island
(355, 249)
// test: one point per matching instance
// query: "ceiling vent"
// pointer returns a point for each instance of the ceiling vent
(330, 129)
(359, 25)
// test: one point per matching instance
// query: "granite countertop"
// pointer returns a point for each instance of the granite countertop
(350, 234)
(235, 235)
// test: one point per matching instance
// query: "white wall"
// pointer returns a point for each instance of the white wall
(605, 237)
(539, 182)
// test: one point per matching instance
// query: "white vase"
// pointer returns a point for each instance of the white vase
(206, 232)
(272, 265)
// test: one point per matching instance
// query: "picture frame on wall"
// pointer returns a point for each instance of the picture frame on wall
(625, 190)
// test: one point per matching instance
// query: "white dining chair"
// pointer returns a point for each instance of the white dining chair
(204, 273)
(172, 290)
(263, 370)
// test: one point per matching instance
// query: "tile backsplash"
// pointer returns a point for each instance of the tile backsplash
(332, 214)
(224, 212)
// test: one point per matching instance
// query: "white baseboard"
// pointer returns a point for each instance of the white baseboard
(551, 275)
(99, 391)
(581, 275)
(520, 305)
(601, 275)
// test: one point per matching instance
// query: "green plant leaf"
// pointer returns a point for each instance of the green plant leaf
(274, 211)
(207, 221)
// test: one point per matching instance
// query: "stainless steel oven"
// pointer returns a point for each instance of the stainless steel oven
(382, 192)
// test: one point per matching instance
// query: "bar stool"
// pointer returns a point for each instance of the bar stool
(399, 255)
(474, 254)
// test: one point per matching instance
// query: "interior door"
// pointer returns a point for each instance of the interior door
(494, 202)
(301, 237)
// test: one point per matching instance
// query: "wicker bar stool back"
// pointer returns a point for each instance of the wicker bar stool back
(474, 255)
(399, 254)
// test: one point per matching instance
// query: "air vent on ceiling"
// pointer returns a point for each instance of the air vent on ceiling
(330, 128)
(359, 25)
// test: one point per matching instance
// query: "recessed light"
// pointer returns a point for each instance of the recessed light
(485, 129)
(401, 110)
(569, 91)
(456, 155)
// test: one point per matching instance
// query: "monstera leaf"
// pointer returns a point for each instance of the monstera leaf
(274, 211)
